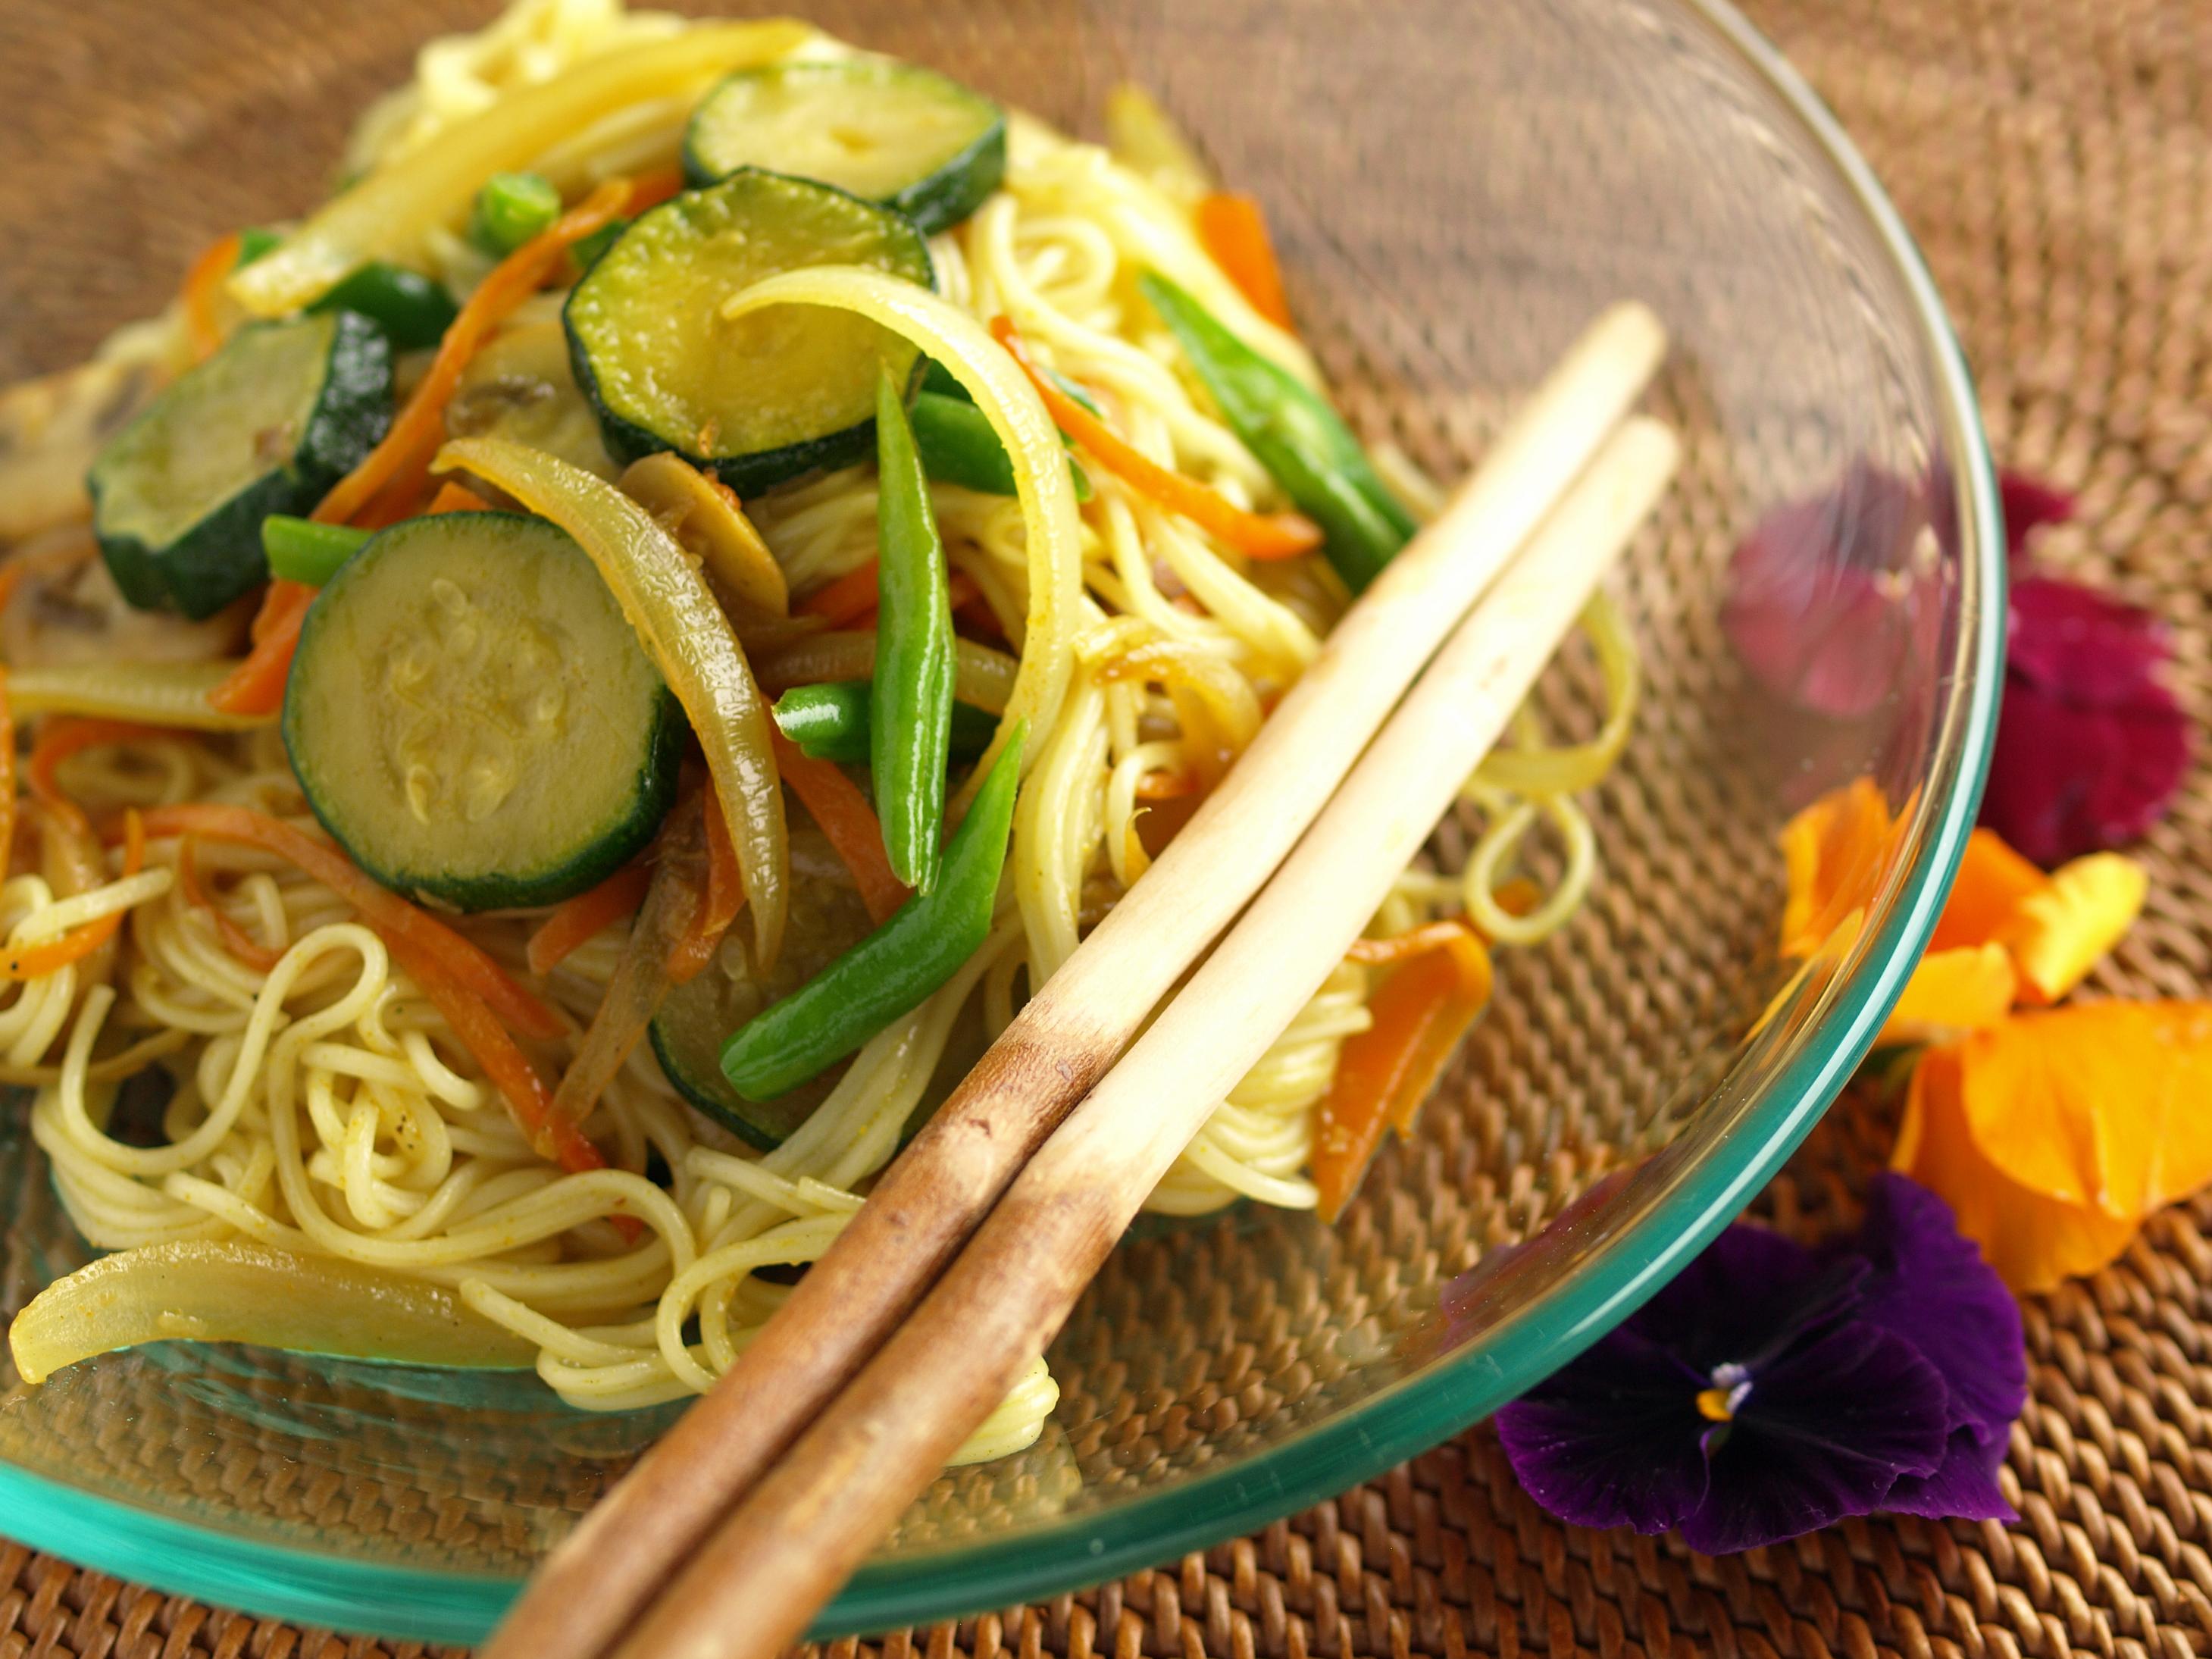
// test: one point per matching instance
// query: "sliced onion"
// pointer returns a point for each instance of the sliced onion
(386, 215)
(1041, 481)
(686, 633)
(151, 693)
(236, 1291)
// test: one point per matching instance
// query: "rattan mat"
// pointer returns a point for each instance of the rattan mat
(2054, 159)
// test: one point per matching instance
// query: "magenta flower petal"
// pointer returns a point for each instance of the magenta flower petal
(1812, 604)
(1929, 1285)
(2090, 746)
(1614, 1440)
(2071, 638)
(2029, 504)
(1826, 1431)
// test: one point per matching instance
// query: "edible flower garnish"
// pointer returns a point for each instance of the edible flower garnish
(2052, 1133)
(1815, 606)
(2091, 747)
(1772, 1389)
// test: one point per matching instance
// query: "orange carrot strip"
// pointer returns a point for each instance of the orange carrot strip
(849, 596)
(1385, 1073)
(427, 939)
(724, 897)
(1234, 232)
(68, 735)
(390, 479)
(1167, 786)
(36, 961)
(650, 188)
(586, 916)
(551, 1135)
(845, 817)
(1436, 936)
(1255, 535)
(204, 280)
(240, 943)
(457, 498)
(418, 429)
(256, 686)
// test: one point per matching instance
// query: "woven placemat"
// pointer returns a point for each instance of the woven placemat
(2054, 159)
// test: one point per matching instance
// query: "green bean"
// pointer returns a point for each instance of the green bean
(830, 721)
(412, 310)
(510, 210)
(1293, 433)
(910, 703)
(893, 970)
(301, 550)
(958, 447)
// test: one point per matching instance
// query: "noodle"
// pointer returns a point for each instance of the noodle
(325, 1107)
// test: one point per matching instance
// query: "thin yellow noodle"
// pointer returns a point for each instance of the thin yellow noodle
(322, 1106)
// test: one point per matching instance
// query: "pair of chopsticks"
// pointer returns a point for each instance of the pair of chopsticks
(973, 1246)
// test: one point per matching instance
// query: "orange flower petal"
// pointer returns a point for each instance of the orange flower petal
(1834, 852)
(1952, 993)
(2063, 930)
(2099, 1105)
(1985, 901)
(2033, 1240)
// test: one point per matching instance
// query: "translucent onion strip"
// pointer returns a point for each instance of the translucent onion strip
(234, 1291)
(686, 633)
(386, 215)
(151, 693)
(1041, 478)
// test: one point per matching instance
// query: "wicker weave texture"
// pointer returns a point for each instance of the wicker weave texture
(2054, 159)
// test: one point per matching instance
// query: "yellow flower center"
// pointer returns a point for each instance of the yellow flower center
(1713, 1405)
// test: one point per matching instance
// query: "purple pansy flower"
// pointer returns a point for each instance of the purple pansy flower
(1772, 1390)
(2091, 747)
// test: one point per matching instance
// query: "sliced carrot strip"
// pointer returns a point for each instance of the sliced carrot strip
(393, 476)
(586, 916)
(204, 282)
(457, 498)
(1384, 1073)
(1255, 535)
(429, 938)
(650, 188)
(1436, 936)
(419, 429)
(846, 818)
(1234, 232)
(724, 897)
(68, 735)
(36, 961)
(1169, 786)
(256, 686)
(240, 943)
(842, 601)
(551, 1136)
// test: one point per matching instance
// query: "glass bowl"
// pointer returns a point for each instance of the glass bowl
(1455, 189)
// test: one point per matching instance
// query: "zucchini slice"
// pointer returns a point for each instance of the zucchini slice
(827, 919)
(471, 718)
(761, 398)
(266, 425)
(889, 132)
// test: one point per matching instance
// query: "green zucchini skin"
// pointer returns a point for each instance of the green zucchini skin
(940, 192)
(717, 239)
(216, 556)
(472, 719)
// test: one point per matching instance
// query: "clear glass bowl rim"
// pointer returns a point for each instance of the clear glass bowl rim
(1399, 1421)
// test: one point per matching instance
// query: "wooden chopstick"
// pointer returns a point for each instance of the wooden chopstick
(930, 1199)
(784, 1551)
